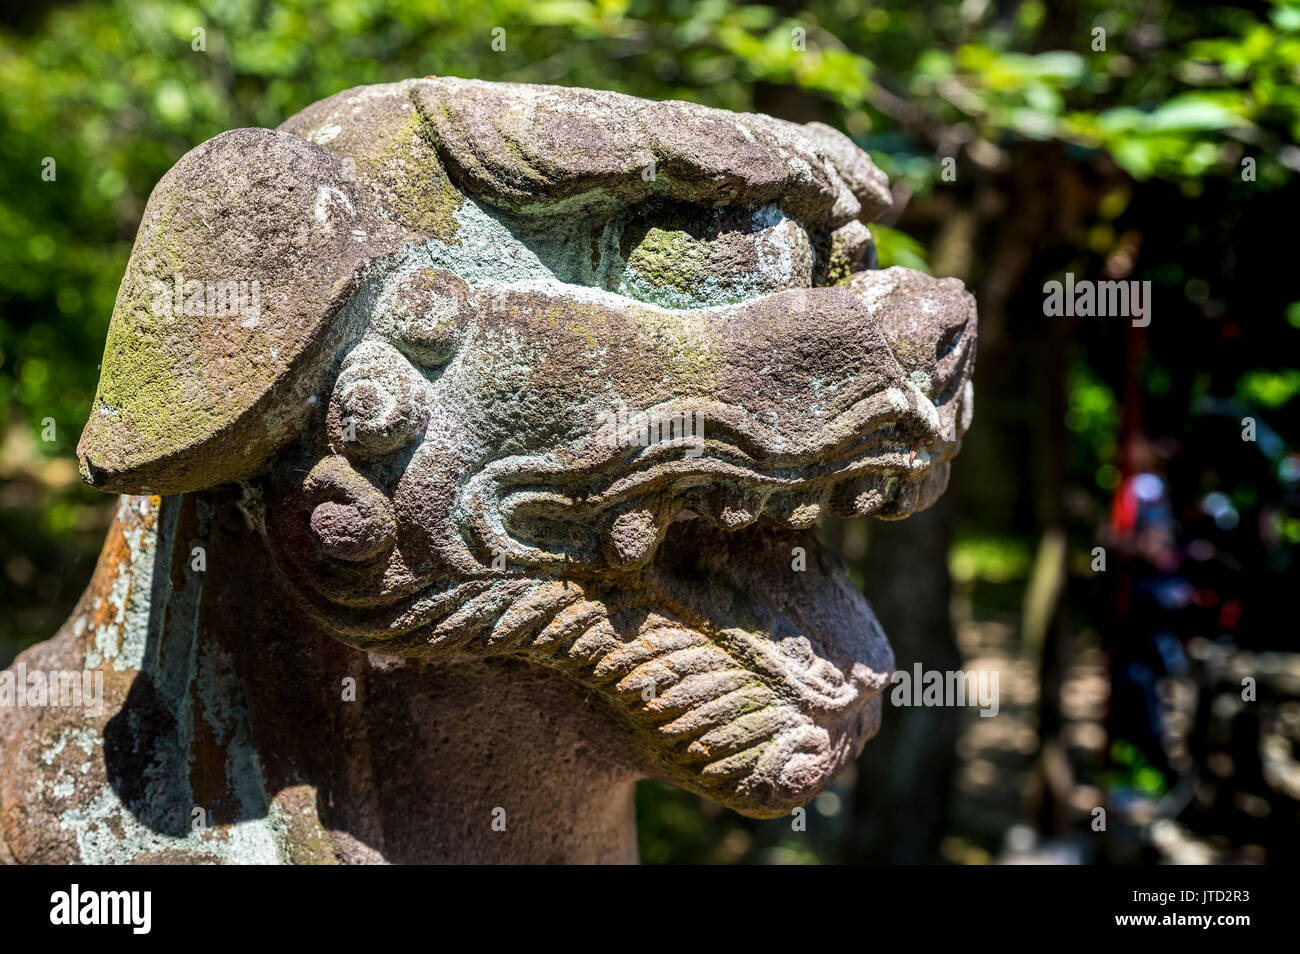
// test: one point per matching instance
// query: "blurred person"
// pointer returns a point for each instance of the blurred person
(1149, 598)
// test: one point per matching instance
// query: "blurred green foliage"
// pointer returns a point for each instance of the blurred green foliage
(116, 92)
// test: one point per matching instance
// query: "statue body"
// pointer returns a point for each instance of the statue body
(471, 439)
(219, 696)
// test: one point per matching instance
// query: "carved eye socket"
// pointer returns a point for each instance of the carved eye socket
(380, 403)
(694, 258)
(430, 342)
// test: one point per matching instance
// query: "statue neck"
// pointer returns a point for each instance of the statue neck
(474, 761)
(357, 757)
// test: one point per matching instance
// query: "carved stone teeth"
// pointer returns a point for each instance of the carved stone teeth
(797, 509)
(733, 508)
(858, 496)
(633, 536)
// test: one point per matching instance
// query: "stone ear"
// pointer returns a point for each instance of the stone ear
(233, 304)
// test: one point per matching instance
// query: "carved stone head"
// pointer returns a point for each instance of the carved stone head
(558, 374)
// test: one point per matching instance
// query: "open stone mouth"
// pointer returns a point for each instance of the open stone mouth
(681, 581)
(731, 493)
(758, 694)
(689, 593)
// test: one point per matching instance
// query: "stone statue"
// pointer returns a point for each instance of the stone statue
(472, 437)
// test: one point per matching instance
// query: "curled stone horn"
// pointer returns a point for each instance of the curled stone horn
(533, 396)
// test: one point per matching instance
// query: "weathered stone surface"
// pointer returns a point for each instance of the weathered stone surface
(502, 499)
(189, 395)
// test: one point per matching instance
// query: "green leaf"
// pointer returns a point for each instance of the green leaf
(898, 248)
(1192, 111)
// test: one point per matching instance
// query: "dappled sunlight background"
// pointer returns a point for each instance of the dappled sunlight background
(1149, 142)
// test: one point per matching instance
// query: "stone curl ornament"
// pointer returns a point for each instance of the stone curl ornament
(472, 436)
